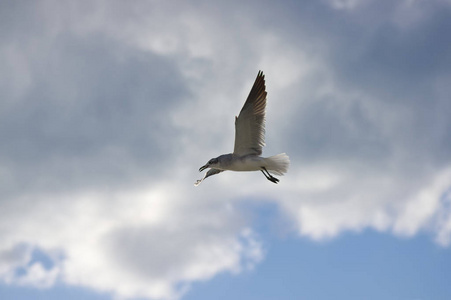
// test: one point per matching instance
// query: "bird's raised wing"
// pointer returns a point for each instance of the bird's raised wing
(250, 123)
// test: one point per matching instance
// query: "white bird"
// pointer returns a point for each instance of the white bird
(249, 140)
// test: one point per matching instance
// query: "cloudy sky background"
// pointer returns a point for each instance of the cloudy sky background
(108, 109)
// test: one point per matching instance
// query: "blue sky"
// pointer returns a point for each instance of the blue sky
(108, 109)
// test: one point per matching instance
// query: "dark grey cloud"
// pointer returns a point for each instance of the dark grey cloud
(373, 61)
(390, 60)
(94, 113)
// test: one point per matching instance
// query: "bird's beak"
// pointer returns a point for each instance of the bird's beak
(203, 168)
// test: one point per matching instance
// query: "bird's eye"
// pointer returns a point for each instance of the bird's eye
(213, 161)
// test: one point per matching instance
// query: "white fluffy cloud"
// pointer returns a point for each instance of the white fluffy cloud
(109, 108)
(135, 243)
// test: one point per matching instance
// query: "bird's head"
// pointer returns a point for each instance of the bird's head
(212, 163)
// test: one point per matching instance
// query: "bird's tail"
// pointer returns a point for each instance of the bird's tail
(277, 164)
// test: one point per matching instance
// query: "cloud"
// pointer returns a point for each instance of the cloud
(372, 135)
(108, 110)
(88, 138)
(135, 243)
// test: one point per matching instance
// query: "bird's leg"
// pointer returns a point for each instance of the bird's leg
(269, 176)
(267, 173)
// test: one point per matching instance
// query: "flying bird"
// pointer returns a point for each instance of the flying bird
(249, 140)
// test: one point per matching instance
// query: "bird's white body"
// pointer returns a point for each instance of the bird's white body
(247, 163)
(249, 141)
(277, 164)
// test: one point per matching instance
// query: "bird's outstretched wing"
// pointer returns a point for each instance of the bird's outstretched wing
(250, 123)
(208, 174)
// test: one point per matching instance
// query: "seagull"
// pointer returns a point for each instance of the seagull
(249, 140)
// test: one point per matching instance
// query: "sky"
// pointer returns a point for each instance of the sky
(109, 108)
